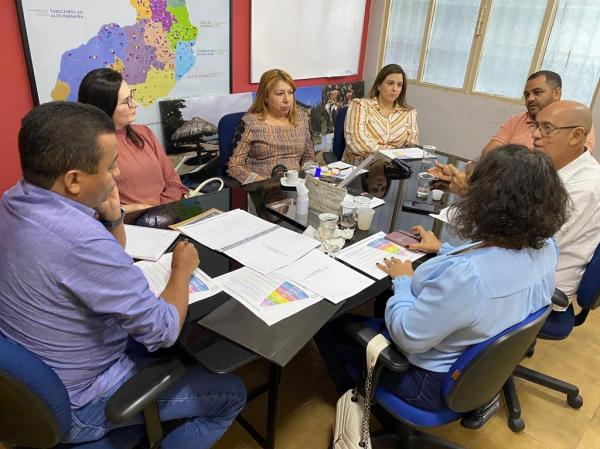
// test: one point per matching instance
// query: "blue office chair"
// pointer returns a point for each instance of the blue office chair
(473, 382)
(35, 411)
(226, 129)
(558, 326)
(339, 141)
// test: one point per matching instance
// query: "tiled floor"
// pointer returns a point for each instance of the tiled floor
(307, 403)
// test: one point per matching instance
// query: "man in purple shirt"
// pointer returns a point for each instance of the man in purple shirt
(70, 294)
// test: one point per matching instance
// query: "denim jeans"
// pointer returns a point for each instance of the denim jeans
(207, 402)
(417, 386)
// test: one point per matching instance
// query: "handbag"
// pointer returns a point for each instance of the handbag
(352, 411)
(198, 190)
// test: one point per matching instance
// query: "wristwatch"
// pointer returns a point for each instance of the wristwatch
(110, 225)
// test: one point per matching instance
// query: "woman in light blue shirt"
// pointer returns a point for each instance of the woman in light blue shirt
(514, 205)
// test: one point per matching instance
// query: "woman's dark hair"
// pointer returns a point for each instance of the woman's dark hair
(100, 87)
(515, 200)
(383, 73)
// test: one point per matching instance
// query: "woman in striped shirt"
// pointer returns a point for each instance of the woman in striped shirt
(383, 120)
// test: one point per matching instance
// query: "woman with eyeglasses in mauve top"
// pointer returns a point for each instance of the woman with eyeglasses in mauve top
(147, 175)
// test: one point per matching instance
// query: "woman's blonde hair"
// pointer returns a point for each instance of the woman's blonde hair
(266, 85)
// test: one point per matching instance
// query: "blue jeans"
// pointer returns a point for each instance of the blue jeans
(208, 402)
(417, 386)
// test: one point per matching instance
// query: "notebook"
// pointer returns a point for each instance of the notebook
(148, 243)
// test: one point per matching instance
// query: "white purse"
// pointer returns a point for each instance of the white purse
(352, 412)
(198, 190)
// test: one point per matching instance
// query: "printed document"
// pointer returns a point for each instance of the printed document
(272, 250)
(271, 298)
(364, 255)
(226, 229)
(325, 276)
(201, 285)
(148, 243)
(403, 153)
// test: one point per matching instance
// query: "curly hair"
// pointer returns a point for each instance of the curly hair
(515, 200)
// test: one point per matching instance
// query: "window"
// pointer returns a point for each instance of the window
(490, 46)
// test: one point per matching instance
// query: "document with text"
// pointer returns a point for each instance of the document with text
(270, 297)
(325, 276)
(366, 254)
(403, 153)
(158, 273)
(148, 243)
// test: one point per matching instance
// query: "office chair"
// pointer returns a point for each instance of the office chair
(35, 411)
(226, 131)
(339, 140)
(473, 382)
(558, 326)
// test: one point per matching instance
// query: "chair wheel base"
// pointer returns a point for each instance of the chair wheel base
(576, 402)
(516, 424)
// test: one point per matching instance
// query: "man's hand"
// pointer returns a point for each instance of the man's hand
(110, 209)
(185, 259)
(429, 242)
(456, 178)
(396, 268)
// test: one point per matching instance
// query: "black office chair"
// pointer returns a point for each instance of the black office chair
(473, 381)
(226, 130)
(339, 140)
(35, 411)
(558, 326)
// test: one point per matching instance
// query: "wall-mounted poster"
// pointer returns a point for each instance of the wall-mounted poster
(163, 48)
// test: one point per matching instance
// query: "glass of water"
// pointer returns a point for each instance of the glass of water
(348, 215)
(424, 185)
(428, 155)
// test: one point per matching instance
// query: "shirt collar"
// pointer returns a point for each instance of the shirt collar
(575, 165)
(375, 105)
(40, 195)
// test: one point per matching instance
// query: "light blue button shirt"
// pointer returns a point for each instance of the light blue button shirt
(71, 295)
(456, 300)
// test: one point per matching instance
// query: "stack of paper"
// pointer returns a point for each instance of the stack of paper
(253, 242)
(148, 243)
(269, 296)
(366, 254)
(403, 153)
(325, 276)
(158, 273)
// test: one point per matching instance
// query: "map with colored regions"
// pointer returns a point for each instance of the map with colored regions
(163, 48)
(152, 54)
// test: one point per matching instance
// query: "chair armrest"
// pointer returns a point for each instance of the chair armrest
(559, 298)
(390, 357)
(141, 390)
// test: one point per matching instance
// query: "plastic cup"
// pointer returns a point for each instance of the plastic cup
(424, 185)
(362, 201)
(348, 214)
(437, 194)
(365, 218)
(428, 154)
(327, 226)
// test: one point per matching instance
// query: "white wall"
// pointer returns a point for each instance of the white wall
(455, 123)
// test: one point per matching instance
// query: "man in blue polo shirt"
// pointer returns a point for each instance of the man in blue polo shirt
(70, 294)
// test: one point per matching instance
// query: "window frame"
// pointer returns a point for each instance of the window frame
(476, 51)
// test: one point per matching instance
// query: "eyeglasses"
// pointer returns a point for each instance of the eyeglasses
(130, 100)
(334, 171)
(546, 128)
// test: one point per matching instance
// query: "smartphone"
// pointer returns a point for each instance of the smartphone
(419, 207)
(403, 238)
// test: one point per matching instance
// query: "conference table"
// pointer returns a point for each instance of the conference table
(222, 334)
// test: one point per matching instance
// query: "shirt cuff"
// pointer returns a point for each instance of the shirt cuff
(401, 282)
(250, 178)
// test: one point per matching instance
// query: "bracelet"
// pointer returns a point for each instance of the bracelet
(110, 225)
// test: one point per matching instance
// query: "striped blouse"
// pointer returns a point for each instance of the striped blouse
(259, 146)
(367, 129)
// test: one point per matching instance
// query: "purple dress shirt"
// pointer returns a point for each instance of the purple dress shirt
(70, 294)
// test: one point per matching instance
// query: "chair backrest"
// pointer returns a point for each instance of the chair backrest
(588, 292)
(226, 131)
(339, 141)
(34, 405)
(481, 371)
